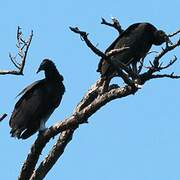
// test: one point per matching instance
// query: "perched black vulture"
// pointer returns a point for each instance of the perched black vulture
(37, 103)
(139, 38)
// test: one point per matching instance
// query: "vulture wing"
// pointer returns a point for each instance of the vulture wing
(113, 45)
(36, 105)
(124, 34)
(25, 111)
(30, 87)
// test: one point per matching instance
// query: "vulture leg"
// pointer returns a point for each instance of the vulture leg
(105, 85)
(134, 67)
(42, 126)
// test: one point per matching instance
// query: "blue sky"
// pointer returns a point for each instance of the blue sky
(137, 137)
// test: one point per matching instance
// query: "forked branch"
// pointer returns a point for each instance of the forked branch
(106, 57)
(54, 154)
(23, 46)
(156, 66)
(115, 24)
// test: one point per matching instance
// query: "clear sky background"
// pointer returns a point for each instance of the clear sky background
(135, 138)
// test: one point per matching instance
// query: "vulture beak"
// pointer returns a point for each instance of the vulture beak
(167, 40)
(39, 69)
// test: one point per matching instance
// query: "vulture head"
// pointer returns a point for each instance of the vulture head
(50, 69)
(45, 65)
(160, 37)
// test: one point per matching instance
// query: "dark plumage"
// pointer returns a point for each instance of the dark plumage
(37, 103)
(139, 38)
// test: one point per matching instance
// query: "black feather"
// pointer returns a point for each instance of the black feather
(38, 102)
(139, 38)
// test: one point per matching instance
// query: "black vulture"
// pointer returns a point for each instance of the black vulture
(37, 103)
(139, 37)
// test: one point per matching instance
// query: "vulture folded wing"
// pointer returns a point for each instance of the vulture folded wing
(129, 38)
(30, 87)
(124, 34)
(28, 110)
(38, 102)
(113, 45)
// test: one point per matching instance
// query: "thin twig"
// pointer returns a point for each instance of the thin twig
(171, 62)
(173, 34)
(141, 65)
(2, 117)
(13, 60)
(172, 76)
(155, 65)
(21, 45)
(163, 52)
(115, 24)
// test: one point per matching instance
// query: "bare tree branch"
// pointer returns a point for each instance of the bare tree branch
(173, 34)
(81, 117)
(172, 76)
(53, 155)
(33, 156)
(171, 62)
(84, 35)
(23, 46)
(78, 117)
(142, 61)
(2, 117)
(115, 24)
(156, 66)
(120, 72)
(163, 52)
(92, 101)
